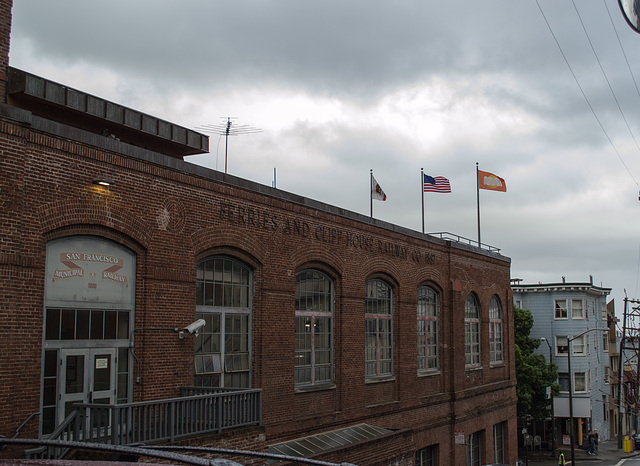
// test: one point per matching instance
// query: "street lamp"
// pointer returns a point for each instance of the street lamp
(553, 418)
(569, 340)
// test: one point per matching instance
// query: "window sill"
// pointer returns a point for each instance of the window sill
(315, 388)
(497, 364)
(472, 368)
(390, 378)
(431, 373)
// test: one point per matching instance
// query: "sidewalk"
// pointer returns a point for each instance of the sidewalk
(607, 453)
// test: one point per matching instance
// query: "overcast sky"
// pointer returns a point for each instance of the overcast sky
(341, 87)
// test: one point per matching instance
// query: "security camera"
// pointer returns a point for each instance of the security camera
(195, 326)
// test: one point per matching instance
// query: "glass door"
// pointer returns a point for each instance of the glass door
(87, 376)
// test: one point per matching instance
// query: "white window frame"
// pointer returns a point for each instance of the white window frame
(314, 306)
(577, 305)
(583, 376)
(427, 329)
(560, 309)
(230, 359)
(496, 348)
(581, 343)
(472, 356)
(562, 345)
(378, 329)
(605, 342)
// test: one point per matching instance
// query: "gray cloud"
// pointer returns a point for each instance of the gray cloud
(344, 87)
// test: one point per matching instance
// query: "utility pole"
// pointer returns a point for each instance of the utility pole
(629, 352)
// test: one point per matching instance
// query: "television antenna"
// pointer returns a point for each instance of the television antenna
(226, 129)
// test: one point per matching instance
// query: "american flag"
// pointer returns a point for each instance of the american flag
(436, 184)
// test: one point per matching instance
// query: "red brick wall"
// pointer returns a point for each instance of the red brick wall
(5, 35)
(47, 192)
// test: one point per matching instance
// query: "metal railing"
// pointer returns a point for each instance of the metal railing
(445, 235)
(209, 410)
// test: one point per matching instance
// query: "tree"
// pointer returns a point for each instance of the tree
(533, 373)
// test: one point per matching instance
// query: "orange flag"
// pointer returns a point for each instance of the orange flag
(490, 181)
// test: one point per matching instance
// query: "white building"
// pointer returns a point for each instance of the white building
(573, 314)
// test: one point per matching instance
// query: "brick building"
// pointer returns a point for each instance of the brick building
(322, 323)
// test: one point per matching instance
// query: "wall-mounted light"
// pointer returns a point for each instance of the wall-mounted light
(103, 182)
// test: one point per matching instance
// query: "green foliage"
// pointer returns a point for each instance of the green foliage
(533, 373)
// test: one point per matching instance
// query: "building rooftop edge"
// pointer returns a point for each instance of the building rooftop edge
(60, 129)
(46, 98)
(533, 286)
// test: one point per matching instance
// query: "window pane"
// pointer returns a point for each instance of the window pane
(82, 325)
(313, 340)
(495, 331)
(580, 381)
(102, 372)
(426, 456)
(560, 308)
(74, 375)
(577, 346)
(577, 311)
(218, 295)
(378, 329)
(562, 345)
(53, 324)
(427, 326)
(218, 270)
(97, 325)
(208, 294)
(208, 270)
(110, 322)
(68, 326)
(471, 309)
(50, 363)
(472, 331)
(123, 325)
(225, 336)
(498, 442)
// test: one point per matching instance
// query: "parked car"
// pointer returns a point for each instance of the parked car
(636, 439)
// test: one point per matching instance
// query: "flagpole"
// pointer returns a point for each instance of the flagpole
(422, 194)
(371, 191)
(478, 201)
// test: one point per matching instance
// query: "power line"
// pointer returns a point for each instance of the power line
(228, 129)
(584, 95)
(622, 48)
(608, 84)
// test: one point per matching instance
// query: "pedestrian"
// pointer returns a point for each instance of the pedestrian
(592, 445)
(561, 461)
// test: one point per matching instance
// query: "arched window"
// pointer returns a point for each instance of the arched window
(495, 331)
(428, 309)
(472, 331)
(378, 329)
(314, 328)
(223, 346)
